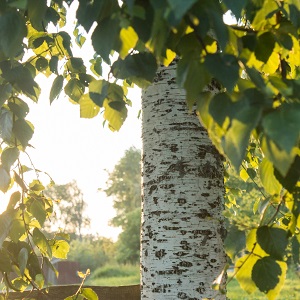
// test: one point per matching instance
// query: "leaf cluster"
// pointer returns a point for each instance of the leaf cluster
(243, 79)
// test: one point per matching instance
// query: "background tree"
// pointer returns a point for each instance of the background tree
(69, 207)
(124, 186)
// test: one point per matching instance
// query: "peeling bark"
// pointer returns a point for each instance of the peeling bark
(182, 225)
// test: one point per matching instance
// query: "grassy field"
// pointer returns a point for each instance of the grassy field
(115, 275)
(290, 290)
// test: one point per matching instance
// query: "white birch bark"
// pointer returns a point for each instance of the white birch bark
(182, 224)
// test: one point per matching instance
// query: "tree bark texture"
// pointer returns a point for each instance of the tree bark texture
(182, 225)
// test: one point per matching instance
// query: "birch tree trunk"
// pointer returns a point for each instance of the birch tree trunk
(182, 224)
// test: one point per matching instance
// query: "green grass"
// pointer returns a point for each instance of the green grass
(115, 275)
(290, 290)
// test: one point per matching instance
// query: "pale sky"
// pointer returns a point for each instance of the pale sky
(68, 147)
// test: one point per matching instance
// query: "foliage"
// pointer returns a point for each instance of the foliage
(68, 208)
(255, 62)
(124, 186)
(91, 252)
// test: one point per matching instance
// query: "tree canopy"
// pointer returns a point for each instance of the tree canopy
(255, 61)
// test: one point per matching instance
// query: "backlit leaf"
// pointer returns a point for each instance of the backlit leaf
(268, 179)
(6, 219)
(41, 242)
(244, 275)
(9, 156)
(6, 124)
(74, 89)
(283, 126)
(60, 248)
(23, 131)
(129, 39)
(88, 108)
(114, 117)
(5, 262)
(4, 179)
(281, 160)
(89, 294)
(19, 107)
(37, 209)
(235, 241)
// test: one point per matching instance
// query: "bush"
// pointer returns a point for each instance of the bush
(91, 253)
(115, 271)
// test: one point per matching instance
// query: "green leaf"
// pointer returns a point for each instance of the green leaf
(12, 33)
(236, 6)
(74, 89)
(281, 160)
(56, 87)
(283, 126)
(22, 260)
(223, 67)
(5, 262)
(221, 107)
(235, 242)
(14, 199)
(37, 209)
(63, 44)
(60, 248)
(273, 241)
(292, 177)
(114, 117)
(5, 92)
(179, 9)
(236, 139)
(89, 294)
(6, 219)
(98, 90)
(96, 66)
(23, 131)
(268, 179)
(6, 124)
(139, 68)
(41, 242)
(36, 13)
(22, 79)
(9, 156)
(192, 75)
(33, 264)
(20, 4)
(245, 265)
(53, 64)
(266, 273)
(105, 37)
(4, 179)
(264, 46)
(88, 108)
(17, 230)
(41, 64)
(18, 107)
(75, 65)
